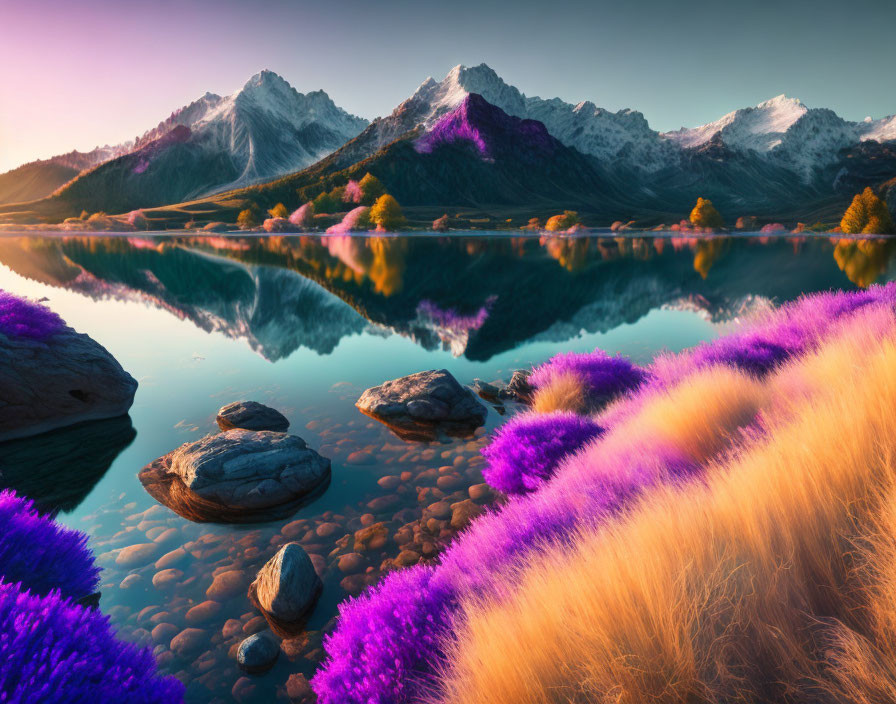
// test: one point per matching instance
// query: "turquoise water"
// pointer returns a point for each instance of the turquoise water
(305, 324)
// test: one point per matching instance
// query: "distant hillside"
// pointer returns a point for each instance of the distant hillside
(263, 131)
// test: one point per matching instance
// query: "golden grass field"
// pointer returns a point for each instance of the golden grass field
(772, 579)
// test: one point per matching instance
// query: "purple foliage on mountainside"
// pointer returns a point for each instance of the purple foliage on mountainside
(603, 377)
(55, 652)
(415, 607)
(452, 320)
(526, 450)
(23, 318)
(491, 130)
(42, 554)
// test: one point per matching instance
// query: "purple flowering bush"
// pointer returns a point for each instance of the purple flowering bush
(41, 554)
(389, 644)
(526, 450)
(602, 377)
(51, 648)
(22, 318)
(55, 652)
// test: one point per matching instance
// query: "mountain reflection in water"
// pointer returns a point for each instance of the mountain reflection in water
(474, 295)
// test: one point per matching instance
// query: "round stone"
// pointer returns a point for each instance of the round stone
(257, 653)
(251, 415)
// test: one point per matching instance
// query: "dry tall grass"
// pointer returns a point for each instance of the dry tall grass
(565, 393)
(773, 580)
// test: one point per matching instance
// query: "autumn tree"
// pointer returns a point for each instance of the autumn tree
(704, 214)
(558, 223)
(246, 220)
(371, 189)
(386, 213)
(867, 215)
(279, 211)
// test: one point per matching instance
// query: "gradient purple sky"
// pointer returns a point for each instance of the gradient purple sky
(81, 73)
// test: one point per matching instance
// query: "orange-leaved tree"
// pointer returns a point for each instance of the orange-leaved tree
(557, 223)
(705, 214)
(279, 211)
(386, 213)
(867, 215)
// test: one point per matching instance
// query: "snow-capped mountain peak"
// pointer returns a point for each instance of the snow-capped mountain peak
(788, 132)
(758, 128)
(592, 130)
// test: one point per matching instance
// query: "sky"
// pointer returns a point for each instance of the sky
(75, 74)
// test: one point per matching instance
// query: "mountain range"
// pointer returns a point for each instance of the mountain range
(471, 141)
(264, 130)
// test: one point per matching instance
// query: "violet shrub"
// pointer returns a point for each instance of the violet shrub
(526, 450)
(23, 318)
(603, 377)
(53, 651)
(41, 554)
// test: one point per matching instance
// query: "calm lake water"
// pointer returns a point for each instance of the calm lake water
(305, 324)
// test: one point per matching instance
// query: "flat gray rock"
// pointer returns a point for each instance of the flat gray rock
(286, 589)
(423, 404)
(251, 415)
(238, 476)
(52, 383)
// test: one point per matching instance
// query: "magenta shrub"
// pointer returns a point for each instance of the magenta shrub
(603, 377)
(526, 450)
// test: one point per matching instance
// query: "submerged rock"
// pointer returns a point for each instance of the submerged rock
(56, 381)
(286, 589)
(251, 415)
(238, 476)
(257, 653)
(422, 405)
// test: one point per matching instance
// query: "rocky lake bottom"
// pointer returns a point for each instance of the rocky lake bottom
(305, 325)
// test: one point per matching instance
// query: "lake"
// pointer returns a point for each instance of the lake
(305, 324)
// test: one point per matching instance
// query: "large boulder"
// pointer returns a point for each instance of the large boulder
(423, 405)
(56, 381)
(238, 476)
(251, 415)
(286, 589)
